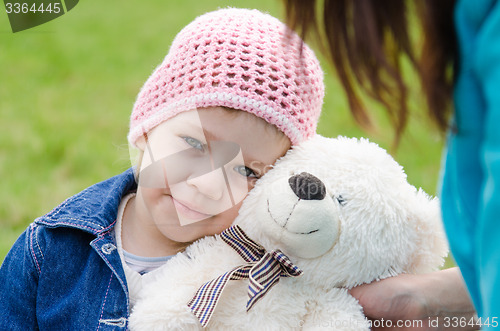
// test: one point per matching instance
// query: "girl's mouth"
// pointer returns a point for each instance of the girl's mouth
(188, 212)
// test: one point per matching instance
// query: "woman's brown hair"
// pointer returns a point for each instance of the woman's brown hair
(366, 41)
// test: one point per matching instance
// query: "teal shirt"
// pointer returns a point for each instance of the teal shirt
(470, 190)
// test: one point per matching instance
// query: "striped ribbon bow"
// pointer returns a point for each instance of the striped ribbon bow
(263, 270)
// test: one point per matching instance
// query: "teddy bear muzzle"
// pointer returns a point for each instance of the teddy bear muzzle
(300, 216)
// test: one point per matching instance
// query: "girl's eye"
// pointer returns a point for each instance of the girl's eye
(195, 143)
(245, 171)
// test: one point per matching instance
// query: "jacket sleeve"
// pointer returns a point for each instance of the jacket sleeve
(18, 283)
(487, 70)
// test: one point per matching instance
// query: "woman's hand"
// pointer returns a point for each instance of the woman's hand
(434, 301)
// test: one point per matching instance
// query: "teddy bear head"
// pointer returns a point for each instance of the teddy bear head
(342, 210)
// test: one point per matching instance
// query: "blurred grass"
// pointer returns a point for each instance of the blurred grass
(67, 88)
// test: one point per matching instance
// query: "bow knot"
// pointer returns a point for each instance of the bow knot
(263, 269)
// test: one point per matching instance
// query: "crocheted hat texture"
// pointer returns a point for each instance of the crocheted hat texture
(236, 58)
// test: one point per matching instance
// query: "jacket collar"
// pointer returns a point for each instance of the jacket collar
(93, 210)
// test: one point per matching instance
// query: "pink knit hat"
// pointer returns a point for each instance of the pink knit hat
(236, 58)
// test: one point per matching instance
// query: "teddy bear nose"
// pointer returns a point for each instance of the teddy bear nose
(307, 187)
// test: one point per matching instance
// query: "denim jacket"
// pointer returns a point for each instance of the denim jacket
(64, 272)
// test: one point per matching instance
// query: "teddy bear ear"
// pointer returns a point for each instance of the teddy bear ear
(431, 246)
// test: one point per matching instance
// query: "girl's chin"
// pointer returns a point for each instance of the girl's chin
(186, 234)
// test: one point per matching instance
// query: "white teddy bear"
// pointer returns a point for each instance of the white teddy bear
(331, 214)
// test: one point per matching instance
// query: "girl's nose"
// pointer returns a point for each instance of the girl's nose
(211, 184)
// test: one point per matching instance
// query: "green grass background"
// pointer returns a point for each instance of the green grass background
(67, 89)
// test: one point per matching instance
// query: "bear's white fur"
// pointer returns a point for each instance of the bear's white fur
(372, 224)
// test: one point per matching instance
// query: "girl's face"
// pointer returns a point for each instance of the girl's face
(198, 167)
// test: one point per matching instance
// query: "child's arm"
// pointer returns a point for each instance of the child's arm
(18, 285)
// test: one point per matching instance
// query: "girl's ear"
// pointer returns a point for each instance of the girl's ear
(138, 163)
(136, 155)
(141, 143)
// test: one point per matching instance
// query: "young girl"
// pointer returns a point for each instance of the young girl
(235, 91)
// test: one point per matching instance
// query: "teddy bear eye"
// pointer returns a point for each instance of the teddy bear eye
(341, 200)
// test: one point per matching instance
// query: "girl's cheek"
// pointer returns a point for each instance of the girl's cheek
(239, 185)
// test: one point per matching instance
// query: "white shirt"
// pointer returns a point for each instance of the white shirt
(138, 269)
